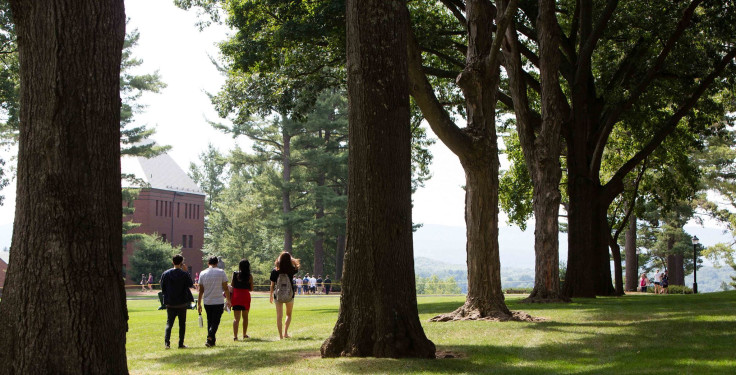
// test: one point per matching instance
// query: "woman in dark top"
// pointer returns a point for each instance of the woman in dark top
(242, 285)
(284, 264)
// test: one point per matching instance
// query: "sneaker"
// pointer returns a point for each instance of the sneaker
(209, 344)
(235, 339)
(182, 346)
(167, 346)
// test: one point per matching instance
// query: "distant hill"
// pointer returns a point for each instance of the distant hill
(510, 277)
(710, 279)
(447, 244)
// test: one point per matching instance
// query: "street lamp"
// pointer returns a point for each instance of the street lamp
(696, 241)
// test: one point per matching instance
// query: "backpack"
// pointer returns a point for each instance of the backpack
(283, 292)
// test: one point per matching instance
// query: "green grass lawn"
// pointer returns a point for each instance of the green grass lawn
(642, 334)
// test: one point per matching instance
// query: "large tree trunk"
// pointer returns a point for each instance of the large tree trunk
(617, 268)
(378, 315)
(588, 261)
(319, 235)
(542, 149)
(632, 259)
(286, 190)
(63, 308)
(485, 298)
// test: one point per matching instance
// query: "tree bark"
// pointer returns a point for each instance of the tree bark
(679, 278)
(319, 235)
(588, 261)
(63, 308)
(541, 148)
(632, 258)
(286, 190)
(617, 268)
(378, 315)
(476, 147)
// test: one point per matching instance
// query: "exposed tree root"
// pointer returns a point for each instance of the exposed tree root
(465, 313)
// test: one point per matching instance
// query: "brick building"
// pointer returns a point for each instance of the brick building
(171, 205)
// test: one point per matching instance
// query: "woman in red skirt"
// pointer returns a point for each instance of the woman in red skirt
(242, 284)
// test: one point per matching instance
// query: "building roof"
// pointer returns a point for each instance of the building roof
(160, 172)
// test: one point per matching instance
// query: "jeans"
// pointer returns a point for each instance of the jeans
(171, 314)
(214, 313)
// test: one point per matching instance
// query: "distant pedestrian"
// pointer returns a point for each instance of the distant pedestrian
(328, 284)
(242, 284)
(282, 290)
(150, 282)
(665, 282)
(196, 281)
(177, 297)
(305, 283)
(212, 282)
(299, 284)
(643, 282)
(144, 280)
(657, 282)
(312, 285)
(319, 284)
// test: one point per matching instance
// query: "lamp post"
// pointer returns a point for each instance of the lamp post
(696, 241)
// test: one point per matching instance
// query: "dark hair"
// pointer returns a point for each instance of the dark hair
(177, 259)
(286, 264)
(213, 260)
(244, 267)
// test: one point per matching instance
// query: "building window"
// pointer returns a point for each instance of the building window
(178, 207)
(171, 209)
(197, 211)
(156, 208)
(183, 240)
(186, 210)
(163, 237)
(190, 241)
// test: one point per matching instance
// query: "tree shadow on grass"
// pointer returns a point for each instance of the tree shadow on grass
(637, 349)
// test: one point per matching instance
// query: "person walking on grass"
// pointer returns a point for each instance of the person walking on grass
(150, 282)
(643, 282)
(328, 284)
(212, 282)
(242, 284)
(177, 297)
(657, 282)
(299, 283)
(313, 285)
(143, 282)
(305, 283)
(282, 290)
(665, 283)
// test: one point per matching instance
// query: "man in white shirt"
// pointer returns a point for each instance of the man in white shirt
(212, 282)
(657, 282)
(313, 284)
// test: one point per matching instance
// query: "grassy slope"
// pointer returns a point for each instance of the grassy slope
(630, 335)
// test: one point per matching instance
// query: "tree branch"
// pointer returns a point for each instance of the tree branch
(612, 116)
(422, 92)
(587, 50)
(615, 185)
(444, 56)
(503, 24)
(457, 8)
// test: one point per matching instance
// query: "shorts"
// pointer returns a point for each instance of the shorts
(312, 289)
(656, 283)
(238, 308)
(644, 288)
